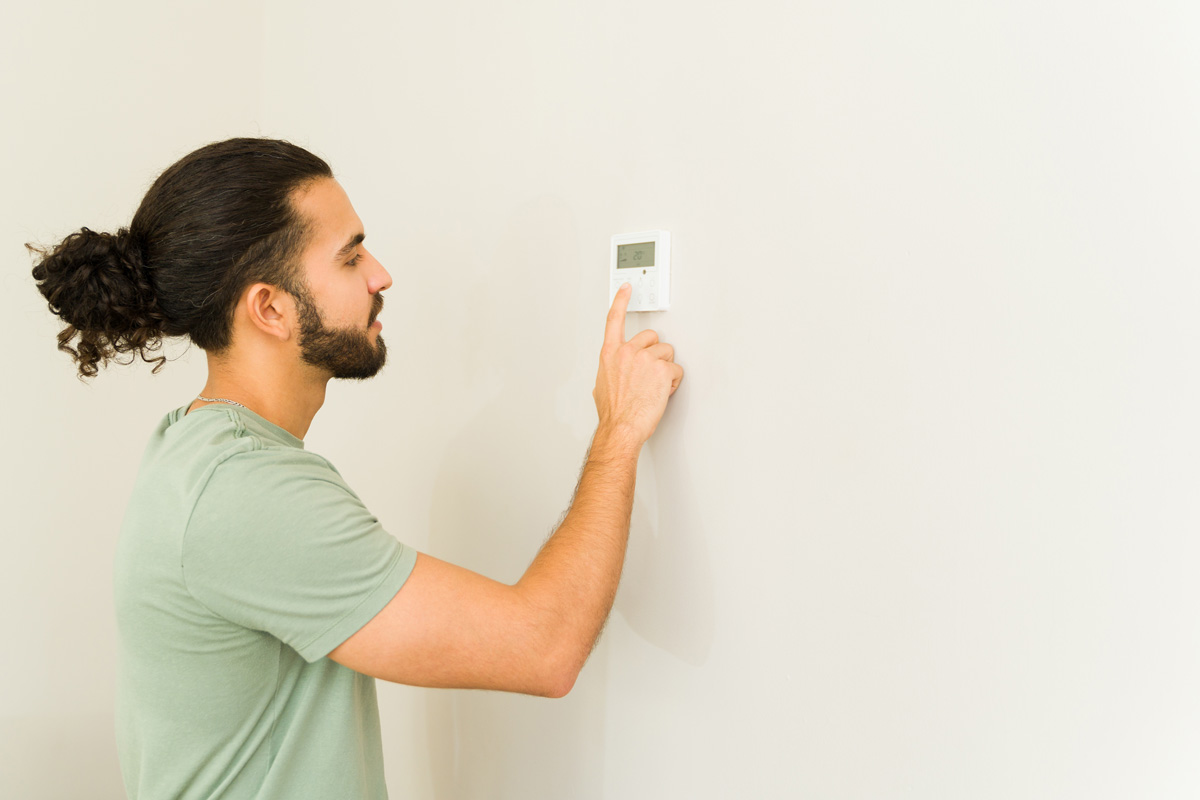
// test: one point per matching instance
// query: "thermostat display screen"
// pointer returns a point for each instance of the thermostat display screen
(635, 255)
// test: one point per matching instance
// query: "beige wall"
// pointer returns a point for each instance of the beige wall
(95, 100)
(920, 521)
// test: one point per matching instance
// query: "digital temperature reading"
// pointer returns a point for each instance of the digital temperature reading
(635, 255)
(643, 260)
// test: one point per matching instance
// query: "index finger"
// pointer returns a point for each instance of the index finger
(614, 329)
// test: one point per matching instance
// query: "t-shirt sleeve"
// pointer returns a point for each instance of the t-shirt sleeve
(277, 542)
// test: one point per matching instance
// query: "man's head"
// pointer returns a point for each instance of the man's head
(336, 296)
(221, 223)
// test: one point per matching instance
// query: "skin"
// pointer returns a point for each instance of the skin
(448, 626)
(285, 350)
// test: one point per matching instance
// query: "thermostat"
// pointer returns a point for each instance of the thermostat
(644, 261)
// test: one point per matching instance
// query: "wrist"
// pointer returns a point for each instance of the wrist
(614, 442)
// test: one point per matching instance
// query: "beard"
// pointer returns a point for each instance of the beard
(344, 352)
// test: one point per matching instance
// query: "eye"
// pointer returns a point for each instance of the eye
(354, 261)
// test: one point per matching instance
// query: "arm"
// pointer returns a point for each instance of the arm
(451, 627)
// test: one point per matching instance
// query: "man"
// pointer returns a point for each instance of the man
(257, 597)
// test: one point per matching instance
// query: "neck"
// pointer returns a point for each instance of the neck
(289, 398)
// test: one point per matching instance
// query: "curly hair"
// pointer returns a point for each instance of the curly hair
(218, 220)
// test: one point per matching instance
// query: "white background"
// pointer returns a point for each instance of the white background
(921, 520)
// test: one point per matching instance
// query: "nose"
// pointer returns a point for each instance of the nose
(380, 278)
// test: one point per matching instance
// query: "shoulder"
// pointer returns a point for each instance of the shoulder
(259, 503)
(269, 473)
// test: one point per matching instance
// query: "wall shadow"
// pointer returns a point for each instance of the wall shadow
(501, 485)
(667, 593)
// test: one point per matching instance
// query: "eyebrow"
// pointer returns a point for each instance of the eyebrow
(350, 245)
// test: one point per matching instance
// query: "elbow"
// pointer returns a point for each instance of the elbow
(560, 674)
(560, 684)
(561, 650)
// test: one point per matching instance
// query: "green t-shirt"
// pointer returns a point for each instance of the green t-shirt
(243, 560)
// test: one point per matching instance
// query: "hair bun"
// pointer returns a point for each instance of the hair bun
(129, 249)
(96, 282)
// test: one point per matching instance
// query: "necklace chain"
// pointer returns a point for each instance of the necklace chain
(219, 400)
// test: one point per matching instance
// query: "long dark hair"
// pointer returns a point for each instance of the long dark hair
(216, 221)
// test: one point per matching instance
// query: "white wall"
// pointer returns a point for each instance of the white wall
(920, 521)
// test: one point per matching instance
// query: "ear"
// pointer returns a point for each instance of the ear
(270, 310)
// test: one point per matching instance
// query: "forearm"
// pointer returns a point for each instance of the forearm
(573, 580)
